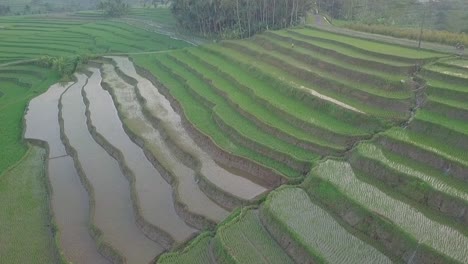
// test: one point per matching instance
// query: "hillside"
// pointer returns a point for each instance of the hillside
(294, 146)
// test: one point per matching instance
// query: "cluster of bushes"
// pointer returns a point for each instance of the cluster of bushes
(443, 37)
(65, 66)
(114, 8)
(4, 9)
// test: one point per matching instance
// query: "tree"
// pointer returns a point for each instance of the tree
(4, 10)
(114, 8)
(238, 18)
(27, 9)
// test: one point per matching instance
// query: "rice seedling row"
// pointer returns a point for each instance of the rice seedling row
(309, 116)
(261, 93)
(441, 237)
(244, 240)
(238, 97)
(197, 252)
(228, 116)
(352, 72)
(199, 115)
(379, 48)
(306, 90)
(193, 81)
(291, 212)
(336, 52)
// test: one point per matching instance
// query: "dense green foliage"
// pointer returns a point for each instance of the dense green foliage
(239, 18)
(114, 8)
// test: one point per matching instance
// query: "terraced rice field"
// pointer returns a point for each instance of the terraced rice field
(186, 150)
(393, 199)
(33, 37)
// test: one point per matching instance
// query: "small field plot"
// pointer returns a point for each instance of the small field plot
(394, 51)
(24, 231)
(198, 252)
(290, 212)
(244, 240)
(440, 237)
(18, 85)
(157, 15)
(196, 106)
(33, 37)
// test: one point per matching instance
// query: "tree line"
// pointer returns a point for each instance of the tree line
(239, 18)
(114, 8)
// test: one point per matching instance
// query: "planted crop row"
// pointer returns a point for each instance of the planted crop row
(244, 240)
(233, 98)
(197, 252)
(80, 38)
(223, 115)
(309, 85)
(452, 109)
(438, 126)
(428, 188)
(369, 226)
(344, 54)
(200, 117)
(307, 232)
(195, 86)
(446, 75)
(448, 91)
(335, 118)
(304, 34)
(323, 63)
(377, 91)
(375, 48)
(448, 159)
(267, 109)
(442, 238)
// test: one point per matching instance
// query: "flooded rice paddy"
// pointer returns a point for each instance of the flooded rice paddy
(154, 194)
(69, 199)
(187, 189)
(115, 159)
(160, 108)
(113, 213)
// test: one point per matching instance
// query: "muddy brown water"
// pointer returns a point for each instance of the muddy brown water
(188, 191)
(69, 199)
(161, 108)
(153, 192)
(113, 213)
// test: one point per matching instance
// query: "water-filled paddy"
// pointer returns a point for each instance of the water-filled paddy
(160, 107)
(113, 213)
(70, 203)
(188, 191)
(153, 193)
